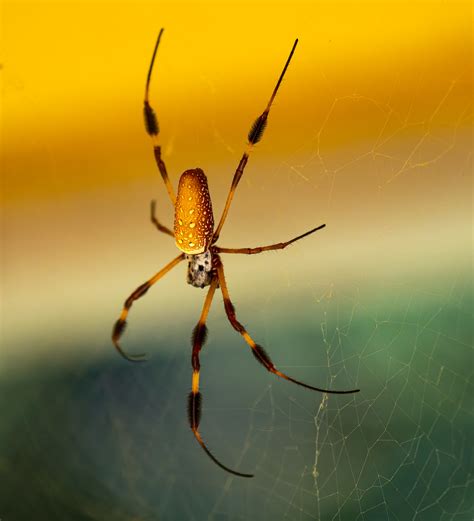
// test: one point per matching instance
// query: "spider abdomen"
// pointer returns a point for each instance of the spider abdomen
(193, 218)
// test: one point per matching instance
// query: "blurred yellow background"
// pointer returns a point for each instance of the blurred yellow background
(371, 133)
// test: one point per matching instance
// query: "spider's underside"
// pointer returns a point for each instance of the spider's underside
(196, 237)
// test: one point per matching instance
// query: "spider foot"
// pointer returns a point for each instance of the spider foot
(262, 356)
(117, 332)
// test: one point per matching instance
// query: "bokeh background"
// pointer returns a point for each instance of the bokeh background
(371, 134)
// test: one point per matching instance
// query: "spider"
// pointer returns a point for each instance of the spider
(196, 238)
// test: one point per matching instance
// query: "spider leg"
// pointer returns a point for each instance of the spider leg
(121, 323)
(259, 249)
(160, 227)
(194, 399)
(257, 350)
(254, 136)
(153, 129)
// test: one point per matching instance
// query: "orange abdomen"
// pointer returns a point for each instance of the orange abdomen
(193, 218)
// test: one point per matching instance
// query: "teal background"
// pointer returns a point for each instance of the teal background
(105, 439)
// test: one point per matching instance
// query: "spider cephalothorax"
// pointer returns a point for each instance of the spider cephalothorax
(200, 270)
(195, 236)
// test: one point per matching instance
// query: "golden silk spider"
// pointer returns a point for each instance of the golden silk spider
(196, 237)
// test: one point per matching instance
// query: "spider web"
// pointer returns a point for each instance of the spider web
(400, 449)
